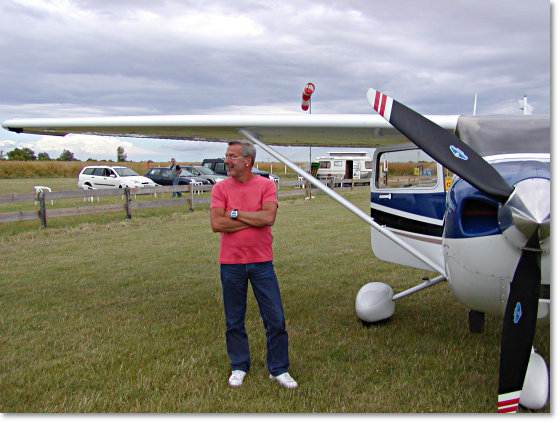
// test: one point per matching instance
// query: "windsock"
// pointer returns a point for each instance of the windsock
(306, 96)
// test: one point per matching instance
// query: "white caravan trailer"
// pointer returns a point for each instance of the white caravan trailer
(344, 165)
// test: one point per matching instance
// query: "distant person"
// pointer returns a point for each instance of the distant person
(175, 172)
(243, 208)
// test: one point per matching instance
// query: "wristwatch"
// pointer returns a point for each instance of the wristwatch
(233, 214)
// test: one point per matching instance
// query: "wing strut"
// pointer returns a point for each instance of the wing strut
(342, 201)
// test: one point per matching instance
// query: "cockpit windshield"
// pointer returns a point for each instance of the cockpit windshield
(492, 135)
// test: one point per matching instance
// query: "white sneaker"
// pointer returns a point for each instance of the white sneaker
(236, 378)
(285, 380)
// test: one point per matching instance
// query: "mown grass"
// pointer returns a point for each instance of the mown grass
(118, 316)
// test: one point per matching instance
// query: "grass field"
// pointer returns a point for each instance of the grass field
(105, 315)
(62, 169)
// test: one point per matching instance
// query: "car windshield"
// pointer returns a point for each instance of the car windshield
(185, 172)
(125, 171)
(205, 170)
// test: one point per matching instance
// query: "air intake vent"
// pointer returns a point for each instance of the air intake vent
(479, 218)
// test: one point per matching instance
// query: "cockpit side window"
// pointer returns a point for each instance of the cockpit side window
(406, 169)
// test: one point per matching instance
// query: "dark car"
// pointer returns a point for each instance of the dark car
(216, 165)
(219, 167)
(265, 174)
(204, 172)
(162, 176)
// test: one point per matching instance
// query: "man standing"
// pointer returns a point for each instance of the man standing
(175, 172)
(243, 209)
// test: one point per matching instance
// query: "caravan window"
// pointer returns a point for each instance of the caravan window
(406, 169)
(324, 165)
(338, 163)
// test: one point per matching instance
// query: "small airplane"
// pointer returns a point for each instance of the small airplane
(485, 230)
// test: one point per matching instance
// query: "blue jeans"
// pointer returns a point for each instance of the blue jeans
(175, 183)
(265, 287)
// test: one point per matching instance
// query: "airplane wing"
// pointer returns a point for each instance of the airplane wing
(318, 130)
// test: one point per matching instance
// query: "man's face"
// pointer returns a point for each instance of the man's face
(172, 161)
(235, 163)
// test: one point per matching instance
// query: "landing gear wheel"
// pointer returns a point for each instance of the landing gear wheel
(374, 302)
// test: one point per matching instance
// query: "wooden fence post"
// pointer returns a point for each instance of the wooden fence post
(42, 210)
(191, 197)
(127, 204)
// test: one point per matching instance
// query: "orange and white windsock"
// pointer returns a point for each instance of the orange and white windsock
(306, 96)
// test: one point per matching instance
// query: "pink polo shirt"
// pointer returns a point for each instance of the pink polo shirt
(251, 245)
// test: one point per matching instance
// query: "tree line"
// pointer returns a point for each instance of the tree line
(27, 155)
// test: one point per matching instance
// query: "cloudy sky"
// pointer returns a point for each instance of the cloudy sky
(67, 58)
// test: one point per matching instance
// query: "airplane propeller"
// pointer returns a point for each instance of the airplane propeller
(524, 219)
(440, 144)
(519, 323)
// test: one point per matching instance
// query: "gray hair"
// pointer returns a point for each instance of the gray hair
(247, 149)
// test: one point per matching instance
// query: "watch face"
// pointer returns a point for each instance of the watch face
(234, 214)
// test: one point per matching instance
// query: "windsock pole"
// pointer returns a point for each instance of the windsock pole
(306, 105)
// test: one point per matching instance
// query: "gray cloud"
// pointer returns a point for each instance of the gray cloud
(69, 58)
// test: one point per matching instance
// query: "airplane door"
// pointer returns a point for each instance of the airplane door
(407, 196)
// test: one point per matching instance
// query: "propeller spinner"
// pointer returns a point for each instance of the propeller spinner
(524, 219)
